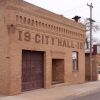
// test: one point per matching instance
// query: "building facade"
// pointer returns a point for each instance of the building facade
(93, 73)
(38, 49)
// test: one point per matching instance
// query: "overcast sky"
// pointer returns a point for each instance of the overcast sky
(70, 8)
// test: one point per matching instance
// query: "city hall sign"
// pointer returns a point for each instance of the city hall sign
(49, 40)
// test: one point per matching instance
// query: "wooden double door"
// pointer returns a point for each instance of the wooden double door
(32, 70)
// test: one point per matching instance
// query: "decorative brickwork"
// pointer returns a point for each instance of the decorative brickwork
(26, 27)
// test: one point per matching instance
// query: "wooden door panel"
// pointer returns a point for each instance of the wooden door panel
(32, 70)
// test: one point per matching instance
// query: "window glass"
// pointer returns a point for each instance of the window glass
(75, 60)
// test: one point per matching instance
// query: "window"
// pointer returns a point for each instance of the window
(75, 60)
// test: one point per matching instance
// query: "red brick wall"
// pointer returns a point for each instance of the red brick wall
(88, 69)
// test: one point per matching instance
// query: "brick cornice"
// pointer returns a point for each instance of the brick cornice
(32, 13)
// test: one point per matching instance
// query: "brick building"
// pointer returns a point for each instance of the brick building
(93, 72)
(38, 48)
